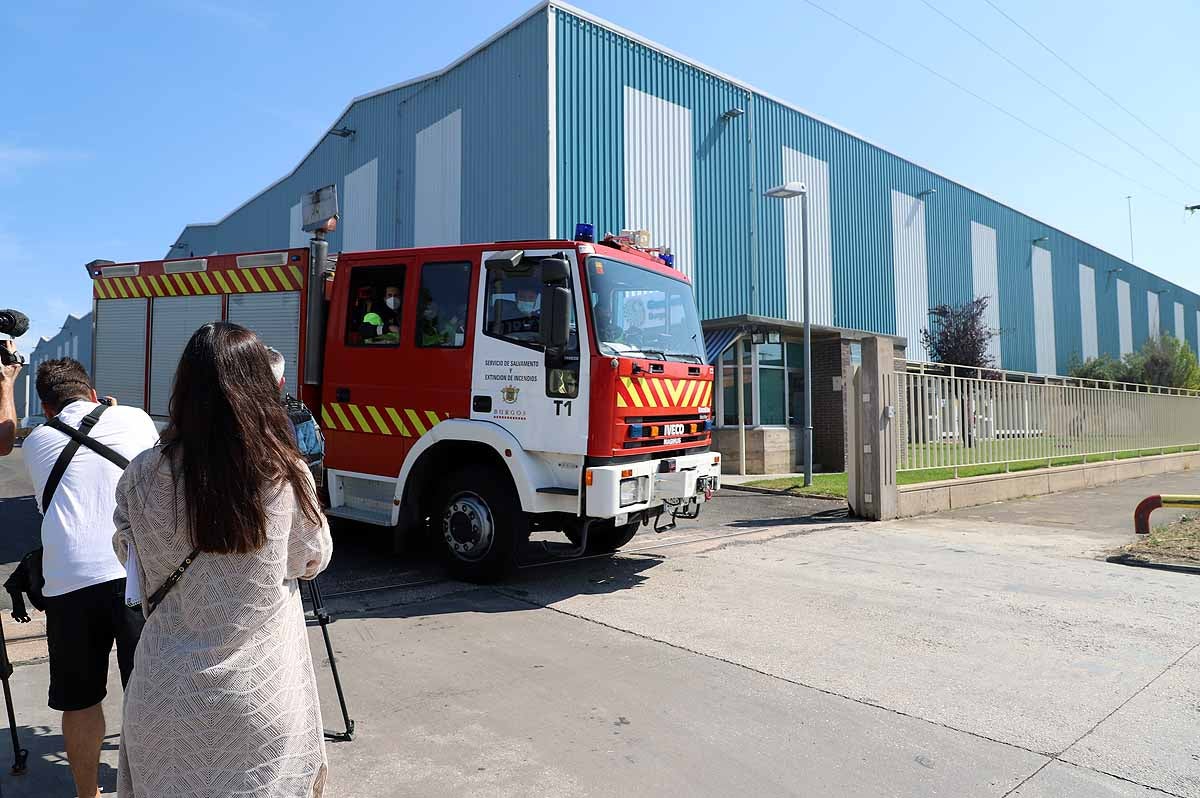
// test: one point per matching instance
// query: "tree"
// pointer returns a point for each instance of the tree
(959, 337)
(958, 334)
(1104, 368)
(1165, 361)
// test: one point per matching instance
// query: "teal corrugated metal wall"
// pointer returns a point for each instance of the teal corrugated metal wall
(503, 96)
(594, 64)
(593, 67)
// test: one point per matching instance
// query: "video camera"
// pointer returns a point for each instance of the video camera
(15, 324)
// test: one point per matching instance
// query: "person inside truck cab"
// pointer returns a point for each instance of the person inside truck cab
(430, 331)
(390, 312)
(635, 320)
(605, 328)
(520, 316)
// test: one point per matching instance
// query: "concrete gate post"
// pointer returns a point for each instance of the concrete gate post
(873, 456)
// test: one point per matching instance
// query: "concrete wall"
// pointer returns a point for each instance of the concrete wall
(769, 450)
(933, 497)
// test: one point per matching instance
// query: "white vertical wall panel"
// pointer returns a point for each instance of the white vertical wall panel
(275, 317)
(659, 189)
(120, 350)
(1124, 317)
(1179, 330)
(175, 320)
(814, 173)
(1043, 311)
(1087, 311)
(437, 188)
(360, 204)
(1153, 319)
(985, 282)
(296, 235)
(911, 273)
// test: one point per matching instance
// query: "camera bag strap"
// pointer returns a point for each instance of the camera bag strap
(79, 437)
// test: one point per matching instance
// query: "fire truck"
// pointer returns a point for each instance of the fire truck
(478, 392)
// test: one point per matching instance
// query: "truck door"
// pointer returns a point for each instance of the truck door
(373, 406)
(543, 404)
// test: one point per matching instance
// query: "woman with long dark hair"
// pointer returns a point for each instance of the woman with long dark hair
(223, 519)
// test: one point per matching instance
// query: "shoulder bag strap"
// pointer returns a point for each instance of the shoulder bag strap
(157, 597)
(78, 437)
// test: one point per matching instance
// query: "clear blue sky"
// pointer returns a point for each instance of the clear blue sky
(125, 121)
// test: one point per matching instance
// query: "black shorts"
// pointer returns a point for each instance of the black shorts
(81, 627)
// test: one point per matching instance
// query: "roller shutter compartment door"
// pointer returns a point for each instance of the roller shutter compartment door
(120, 350)
(275, 316)
(174, 321)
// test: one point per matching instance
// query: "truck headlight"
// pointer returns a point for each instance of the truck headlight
(633, 491)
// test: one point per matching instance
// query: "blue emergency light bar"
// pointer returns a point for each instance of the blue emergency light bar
(668, 259)
(585, 232)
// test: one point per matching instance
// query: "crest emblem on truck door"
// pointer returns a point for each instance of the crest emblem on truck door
(509, 393)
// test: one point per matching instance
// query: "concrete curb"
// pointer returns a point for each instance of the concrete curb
(925, 498)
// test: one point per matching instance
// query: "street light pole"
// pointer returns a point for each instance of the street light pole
(808, 425)
(788, 191)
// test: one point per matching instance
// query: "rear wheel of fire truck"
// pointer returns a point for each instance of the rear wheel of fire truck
(605, 536)
(480, 523)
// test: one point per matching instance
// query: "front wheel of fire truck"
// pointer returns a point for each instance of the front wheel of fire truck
(481, 525)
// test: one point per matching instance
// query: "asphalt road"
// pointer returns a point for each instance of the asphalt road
(363, 560)
(984, 654)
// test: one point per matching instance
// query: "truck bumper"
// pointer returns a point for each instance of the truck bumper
(620, 490)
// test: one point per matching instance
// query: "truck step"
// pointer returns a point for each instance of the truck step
(358, 514)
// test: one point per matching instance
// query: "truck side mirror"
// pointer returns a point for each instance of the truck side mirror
(556, 316)
(556, 303)
(555, 271)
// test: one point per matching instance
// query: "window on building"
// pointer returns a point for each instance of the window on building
(375, 305)
(729, 407)
(772, 385)
(795, 379)
(442, 305)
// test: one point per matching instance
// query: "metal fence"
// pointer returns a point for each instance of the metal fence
(950, 417)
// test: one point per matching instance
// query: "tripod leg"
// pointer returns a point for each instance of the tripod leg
(323, 619)
(20, 755)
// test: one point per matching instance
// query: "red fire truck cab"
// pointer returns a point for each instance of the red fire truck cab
(480, 391)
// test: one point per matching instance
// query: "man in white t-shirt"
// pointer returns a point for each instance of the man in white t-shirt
(85, 583)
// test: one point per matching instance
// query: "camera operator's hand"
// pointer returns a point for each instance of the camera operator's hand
(8, 407)
(8, 374)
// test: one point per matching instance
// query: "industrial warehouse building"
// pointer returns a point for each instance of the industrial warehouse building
(73, 340)
(562, 118)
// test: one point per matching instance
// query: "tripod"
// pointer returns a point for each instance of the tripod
(20, 755)
(323, 618)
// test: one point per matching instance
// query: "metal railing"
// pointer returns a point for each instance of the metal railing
(950, 417)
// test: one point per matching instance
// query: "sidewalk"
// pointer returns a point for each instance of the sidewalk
(740, 479)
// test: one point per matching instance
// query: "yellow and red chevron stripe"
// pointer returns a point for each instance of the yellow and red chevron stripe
(230, 281)
(378, 420)
(646, 392)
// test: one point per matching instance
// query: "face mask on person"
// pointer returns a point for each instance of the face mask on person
(430, 314)
(526, 305)
(393, 302)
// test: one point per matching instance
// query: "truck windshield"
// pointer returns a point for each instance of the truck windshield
(639, 312)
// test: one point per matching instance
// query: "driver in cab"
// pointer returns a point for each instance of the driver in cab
(635, 320)
(521, 314)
